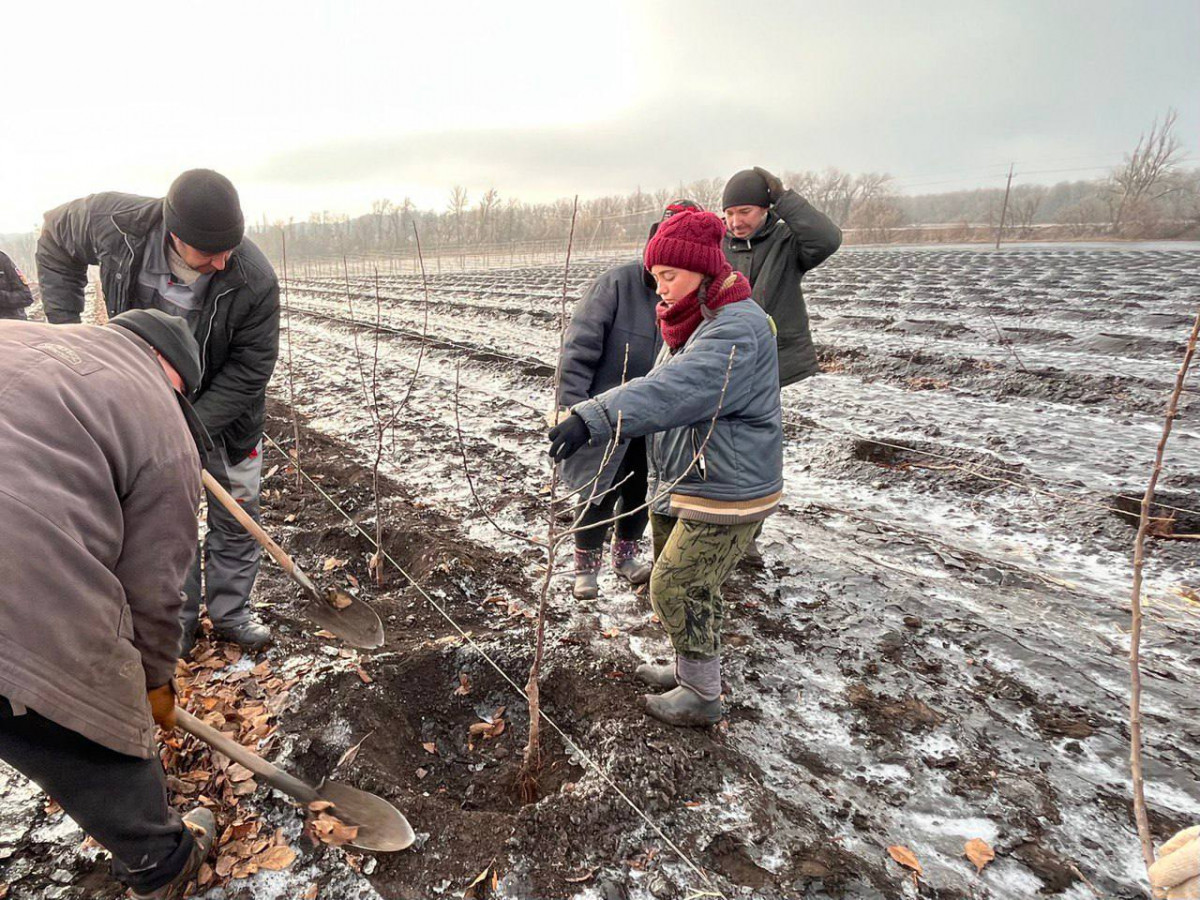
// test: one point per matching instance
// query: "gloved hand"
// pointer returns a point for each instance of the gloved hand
(774, 185)
(162, 705)
(1175, 875)
(568, 437)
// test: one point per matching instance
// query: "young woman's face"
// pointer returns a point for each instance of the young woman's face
(675, 284)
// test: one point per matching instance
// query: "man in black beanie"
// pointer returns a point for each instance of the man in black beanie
(774, 236)
(186, 255)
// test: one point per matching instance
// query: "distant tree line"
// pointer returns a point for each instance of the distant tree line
(1149, 195)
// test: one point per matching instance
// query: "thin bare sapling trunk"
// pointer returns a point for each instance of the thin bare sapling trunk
(291, 377)
(1135, 673)
(371, 398)
(533, 747)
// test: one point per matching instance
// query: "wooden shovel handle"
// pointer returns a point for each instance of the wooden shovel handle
(235, 509)
(273, 775)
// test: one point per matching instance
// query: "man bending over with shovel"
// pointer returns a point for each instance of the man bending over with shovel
(99, 480)
(186, 254)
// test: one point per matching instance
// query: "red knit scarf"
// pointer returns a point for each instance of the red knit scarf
(678, 320)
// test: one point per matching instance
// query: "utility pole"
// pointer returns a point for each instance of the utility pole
(1004, 208)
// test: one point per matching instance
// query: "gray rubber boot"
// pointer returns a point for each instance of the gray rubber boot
(204, 831)
(656, 676)
(683, 707)
(696, 701)
(587, 570)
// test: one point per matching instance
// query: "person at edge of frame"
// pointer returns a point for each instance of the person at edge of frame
(99, 489)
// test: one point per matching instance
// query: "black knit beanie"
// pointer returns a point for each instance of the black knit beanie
(746, 188)
(202, 209)
(170, 336)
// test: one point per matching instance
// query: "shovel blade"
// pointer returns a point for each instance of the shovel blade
(356, 623)
(381, 826)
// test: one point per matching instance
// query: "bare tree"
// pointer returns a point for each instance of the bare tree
(488, 205)
(457, 208)
(1142, 177)
(1023, 208)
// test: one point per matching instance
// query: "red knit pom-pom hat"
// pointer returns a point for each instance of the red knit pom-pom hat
(690, 239)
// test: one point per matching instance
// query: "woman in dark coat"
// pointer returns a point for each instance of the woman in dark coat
(613, 338)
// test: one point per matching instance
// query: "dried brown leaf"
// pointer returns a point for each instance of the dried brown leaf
(350, 755)
(310, 893)
(238, 773)
(331, 830)
(244, 869)
(332, 562)
(245, 788)
(464, 685)
(979, 853)
(430, 747)
(906, 858)
(275, 858)
(479, 886)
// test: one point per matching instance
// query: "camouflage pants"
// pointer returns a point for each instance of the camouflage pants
(691, 562)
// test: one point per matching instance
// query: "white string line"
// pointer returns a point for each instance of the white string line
(466, 636)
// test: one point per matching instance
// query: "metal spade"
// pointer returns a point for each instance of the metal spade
(352, 620)
(381, 826)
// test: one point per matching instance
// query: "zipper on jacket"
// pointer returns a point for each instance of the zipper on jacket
(121, 307)
(208, 334)
(701, 465)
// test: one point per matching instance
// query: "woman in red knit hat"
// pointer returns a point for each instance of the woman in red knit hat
(711, 413)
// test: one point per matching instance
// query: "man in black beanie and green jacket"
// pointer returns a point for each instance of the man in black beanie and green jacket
(186, 255)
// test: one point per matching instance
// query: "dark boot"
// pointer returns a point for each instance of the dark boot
(625, 562)
(189, 641)
(204, 830)
(250, 634)
(587, 568)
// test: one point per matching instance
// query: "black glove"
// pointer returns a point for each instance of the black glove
(567, 437)
(774, 185)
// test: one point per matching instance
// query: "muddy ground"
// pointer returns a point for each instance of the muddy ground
(934, 650)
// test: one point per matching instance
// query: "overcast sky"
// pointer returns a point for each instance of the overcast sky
(312, 106)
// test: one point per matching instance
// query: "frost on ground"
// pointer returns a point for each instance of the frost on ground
(933, 652)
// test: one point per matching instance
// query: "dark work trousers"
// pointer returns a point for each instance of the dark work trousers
(231, 554)
(631, 476)
(119, 800)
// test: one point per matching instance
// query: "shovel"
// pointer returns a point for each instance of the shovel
(381, 826)
(334, 610)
